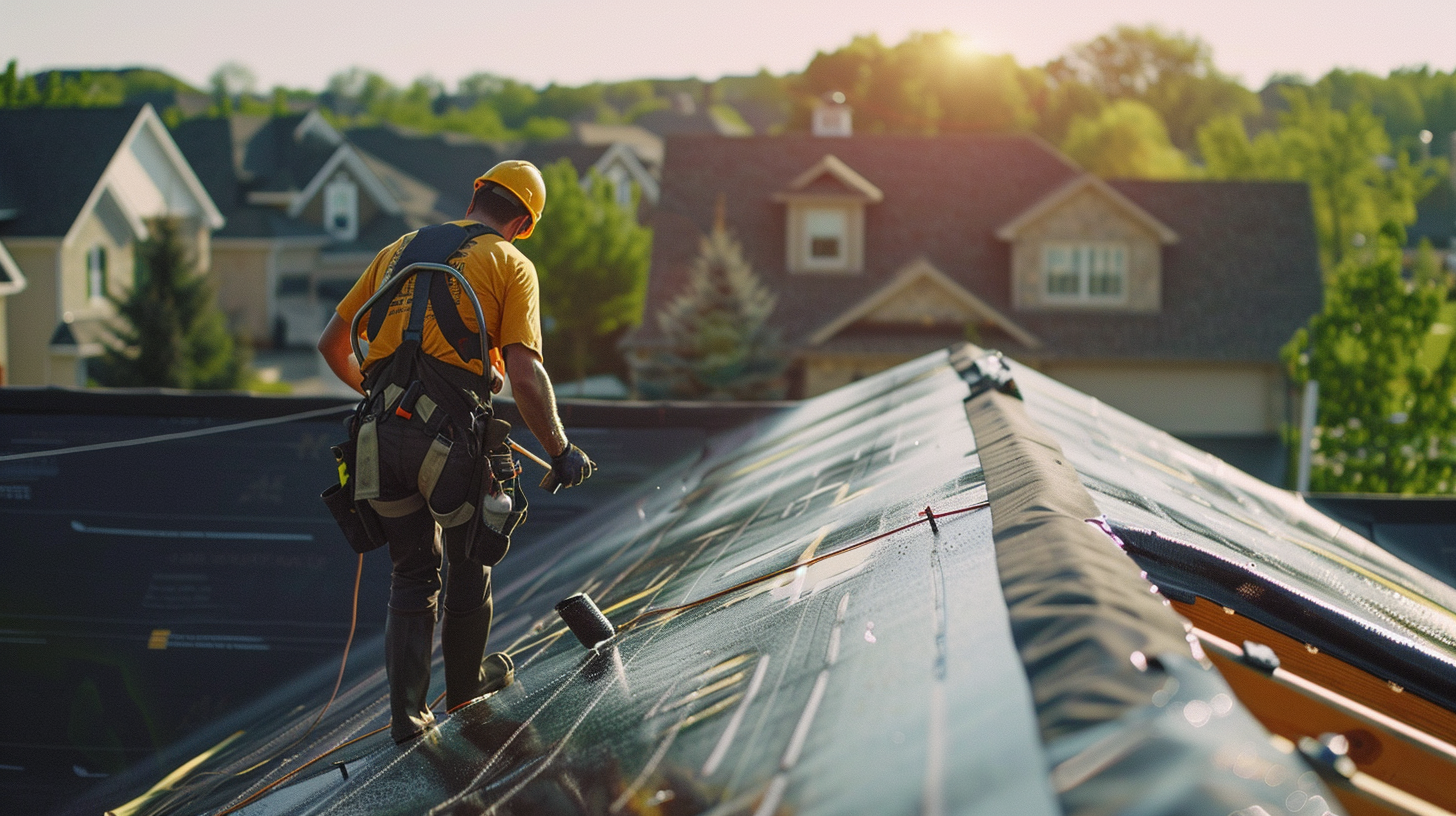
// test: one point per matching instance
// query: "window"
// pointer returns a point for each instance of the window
(341, 209)
(826, 235)
(96, 273)
(1085, 271)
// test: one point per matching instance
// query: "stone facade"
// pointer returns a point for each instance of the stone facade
(1087, 215)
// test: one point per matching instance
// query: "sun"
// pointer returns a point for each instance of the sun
(965, 45)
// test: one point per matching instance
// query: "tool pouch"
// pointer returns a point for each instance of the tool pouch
(490, 533)
(358, 521)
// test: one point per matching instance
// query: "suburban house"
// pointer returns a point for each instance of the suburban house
(309, 206)
(77, 187)
(1169, 300)
(306, 213)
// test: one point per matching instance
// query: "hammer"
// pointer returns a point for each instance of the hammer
(549, 482)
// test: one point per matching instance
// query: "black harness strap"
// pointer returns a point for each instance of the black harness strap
(433, 244)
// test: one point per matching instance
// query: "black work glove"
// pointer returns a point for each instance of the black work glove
(572, 466)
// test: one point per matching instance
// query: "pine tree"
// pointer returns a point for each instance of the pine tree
(171, 333)
(719, 343)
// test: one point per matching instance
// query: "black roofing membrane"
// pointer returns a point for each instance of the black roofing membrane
(886, 678)
(1261, 551)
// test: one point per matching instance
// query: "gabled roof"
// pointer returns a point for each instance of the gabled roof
(12, 280)
(1011, 229)
(446, 162)
(345, 158)
(831, 178)
(921, 272)
(57, 163)
(51, 160)
(1243, 276)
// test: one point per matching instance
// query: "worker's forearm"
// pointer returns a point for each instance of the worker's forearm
(347, 370)
(536, 400)
(338, 353)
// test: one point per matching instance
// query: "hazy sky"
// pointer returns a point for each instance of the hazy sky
(301, 43)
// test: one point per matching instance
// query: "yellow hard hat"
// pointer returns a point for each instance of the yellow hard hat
(524, 180)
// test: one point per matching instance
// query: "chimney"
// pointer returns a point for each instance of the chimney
(832, 118)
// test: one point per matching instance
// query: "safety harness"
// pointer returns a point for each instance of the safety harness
(452, 403)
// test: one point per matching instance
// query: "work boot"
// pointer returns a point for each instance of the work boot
(468, 672)
(408, 643)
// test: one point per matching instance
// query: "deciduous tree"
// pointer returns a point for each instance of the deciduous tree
(1126, 140)
(1386, 421)
(591, 256)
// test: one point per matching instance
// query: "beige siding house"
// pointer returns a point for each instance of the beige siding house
(76, 190)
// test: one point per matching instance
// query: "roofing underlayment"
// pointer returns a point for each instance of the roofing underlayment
(797, 635)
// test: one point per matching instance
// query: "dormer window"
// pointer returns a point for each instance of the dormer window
(1085, 271)
(96, 273)
(826, 212)
(341, 209)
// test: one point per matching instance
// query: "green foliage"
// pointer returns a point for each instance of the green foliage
(1126, 140)
(1344, 156)
(927, 84)
(591, 256)
(1386, 420)
(1171, 73)
(719, 344)
(171, 333)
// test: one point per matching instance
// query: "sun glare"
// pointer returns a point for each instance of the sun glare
(966, 46)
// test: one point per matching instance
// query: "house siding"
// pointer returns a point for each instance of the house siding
(31, 315)
(240, 276)
(1186, 398)
(1087, 216)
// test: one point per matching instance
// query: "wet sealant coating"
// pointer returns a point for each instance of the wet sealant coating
(882, 679)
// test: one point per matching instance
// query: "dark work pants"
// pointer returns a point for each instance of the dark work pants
(415, 548)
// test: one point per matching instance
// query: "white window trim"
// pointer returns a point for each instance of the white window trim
(351, 231)
(1084, 295)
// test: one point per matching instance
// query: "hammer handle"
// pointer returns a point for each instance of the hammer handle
(549, 482)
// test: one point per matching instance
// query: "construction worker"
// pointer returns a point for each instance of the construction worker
(426, 405)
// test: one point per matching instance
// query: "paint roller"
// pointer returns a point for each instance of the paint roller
(585, 620)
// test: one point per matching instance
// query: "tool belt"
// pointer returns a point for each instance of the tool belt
(437, 399)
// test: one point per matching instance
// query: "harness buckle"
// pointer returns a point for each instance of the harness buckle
(406, 406)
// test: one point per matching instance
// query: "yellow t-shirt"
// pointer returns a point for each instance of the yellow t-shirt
(503, 279)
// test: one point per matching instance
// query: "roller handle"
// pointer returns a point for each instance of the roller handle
(550, 483)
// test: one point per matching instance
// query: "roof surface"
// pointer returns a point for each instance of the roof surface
(51, 160)
(1243, 247)
(819, 649)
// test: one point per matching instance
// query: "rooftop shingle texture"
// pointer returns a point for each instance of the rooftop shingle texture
(50, 161)
(1244, 275)
(448, 164)
(211, 147)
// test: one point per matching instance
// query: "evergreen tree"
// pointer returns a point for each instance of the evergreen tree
(1386, 421)
(592, 257)
(171, 333)
(719, 343)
